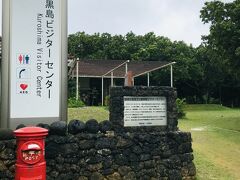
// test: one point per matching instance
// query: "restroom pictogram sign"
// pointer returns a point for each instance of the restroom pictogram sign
(23, 59)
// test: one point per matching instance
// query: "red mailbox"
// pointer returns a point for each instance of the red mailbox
(31, 164)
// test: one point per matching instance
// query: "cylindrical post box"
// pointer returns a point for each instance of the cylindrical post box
(31, 163)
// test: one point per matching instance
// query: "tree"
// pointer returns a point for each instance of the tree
(224, 37)
(223, 46)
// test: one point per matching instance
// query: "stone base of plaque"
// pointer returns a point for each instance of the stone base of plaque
(120, 109)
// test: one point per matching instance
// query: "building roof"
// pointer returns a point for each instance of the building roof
(100, 68)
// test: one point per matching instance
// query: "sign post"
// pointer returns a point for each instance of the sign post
(34, 62)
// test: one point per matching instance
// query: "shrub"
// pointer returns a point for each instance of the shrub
(180, 103)
(73, 103)
(106, 100)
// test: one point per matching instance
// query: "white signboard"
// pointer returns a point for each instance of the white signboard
(35, 57)
(145, 111)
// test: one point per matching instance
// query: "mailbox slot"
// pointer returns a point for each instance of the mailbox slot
(31, 152)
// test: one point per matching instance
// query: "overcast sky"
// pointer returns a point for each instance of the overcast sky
(175, 19)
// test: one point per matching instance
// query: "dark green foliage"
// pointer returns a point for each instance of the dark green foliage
(222, 50)
(106, 100)
(73, 103)
(224, 31)
(180, 103)
(71, 88)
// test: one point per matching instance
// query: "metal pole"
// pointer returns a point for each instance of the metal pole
(112, 79)
(126, 67)
(64, 89)
(133, 80)
(148, 79)
(171, 76)
(5, 66)
(102, 92)
(77, 85)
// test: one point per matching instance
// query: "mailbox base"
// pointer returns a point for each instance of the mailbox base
(30, 172)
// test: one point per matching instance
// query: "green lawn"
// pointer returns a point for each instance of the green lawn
(215, 132)
(216, 140)
(85, 113)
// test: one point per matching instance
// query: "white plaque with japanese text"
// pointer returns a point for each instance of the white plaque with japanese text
(35, 58)
(145, 111)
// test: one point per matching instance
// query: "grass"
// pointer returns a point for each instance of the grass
(215, 132)
(86, 113)
(204, 107)
(216, 140)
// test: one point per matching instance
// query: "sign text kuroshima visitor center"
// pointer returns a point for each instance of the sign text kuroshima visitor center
(34, 70)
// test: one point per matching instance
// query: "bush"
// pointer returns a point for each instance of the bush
(73, 103)
(106, 100)
(180, 103)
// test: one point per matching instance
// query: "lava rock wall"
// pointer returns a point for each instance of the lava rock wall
(117, 107)
(109, 155)
(107, 150)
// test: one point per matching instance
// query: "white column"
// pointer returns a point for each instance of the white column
(133, 81)
(102, 92)
(77, 85)
(171, 76)
(148, 79)
(126, 68)
(112, 79)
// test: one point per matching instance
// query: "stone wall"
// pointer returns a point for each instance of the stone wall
(107, 150)
(117, 107)
(91, 152)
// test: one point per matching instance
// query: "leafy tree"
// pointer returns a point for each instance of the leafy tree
(223, 48)
(224, 37)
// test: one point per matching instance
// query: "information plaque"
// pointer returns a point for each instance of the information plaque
(145, 111)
